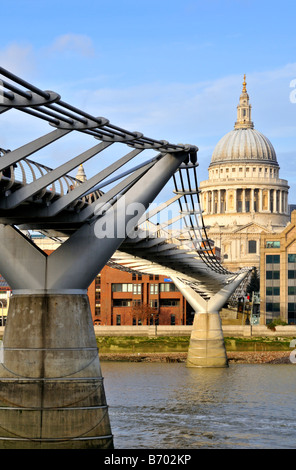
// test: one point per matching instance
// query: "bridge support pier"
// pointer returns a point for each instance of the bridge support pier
(52, 394)
(51, 388)
(207, 348)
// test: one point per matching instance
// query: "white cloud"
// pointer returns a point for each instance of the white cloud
(19, 59)
(198, 113)
(78, 43)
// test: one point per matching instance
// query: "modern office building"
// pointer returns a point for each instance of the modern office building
(278, 275)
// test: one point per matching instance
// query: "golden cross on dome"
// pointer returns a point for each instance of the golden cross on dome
(244, 84)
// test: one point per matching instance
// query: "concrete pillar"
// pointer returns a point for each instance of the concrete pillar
(206, 348)
(52, 394)
(51, 389)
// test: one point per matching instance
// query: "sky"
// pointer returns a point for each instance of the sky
(170, 69)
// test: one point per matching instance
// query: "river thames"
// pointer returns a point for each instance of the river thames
(169, 406)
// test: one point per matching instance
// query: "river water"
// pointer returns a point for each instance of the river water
(169, 406)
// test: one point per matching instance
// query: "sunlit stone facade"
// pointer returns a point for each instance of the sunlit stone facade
(244, 195)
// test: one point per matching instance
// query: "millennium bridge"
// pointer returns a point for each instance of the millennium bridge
(51, 387)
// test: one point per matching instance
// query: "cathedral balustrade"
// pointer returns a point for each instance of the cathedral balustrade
(244, 200)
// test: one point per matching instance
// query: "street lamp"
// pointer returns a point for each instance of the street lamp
(2, 324)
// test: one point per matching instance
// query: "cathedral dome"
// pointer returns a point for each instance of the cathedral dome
(244, 144)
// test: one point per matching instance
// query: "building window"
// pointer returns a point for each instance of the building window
(121, 303)
(169, 302)
(137, 289)
(291, 258)
(168, 287)
(118, 320)
(273, 244)
(272, 290)
(291, 290)
(153, 288)
(122, 287)
(154, 303)
(273, 307)
(173, 319)
(252, 246)
(272, 275)
(291, 274)
(239, 199)
(292, 313)
(273, 259)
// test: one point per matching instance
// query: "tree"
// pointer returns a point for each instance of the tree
(254, 284)
(144, 313)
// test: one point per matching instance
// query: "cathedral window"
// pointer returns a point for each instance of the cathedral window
(252, 246)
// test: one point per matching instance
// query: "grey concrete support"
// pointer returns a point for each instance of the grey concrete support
(95, 250)
(26, 150)
(207, 348)
(51, 387)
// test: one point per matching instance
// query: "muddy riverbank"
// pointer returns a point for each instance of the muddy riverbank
(238, 357)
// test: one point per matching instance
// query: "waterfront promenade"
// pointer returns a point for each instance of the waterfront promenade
(244, 344)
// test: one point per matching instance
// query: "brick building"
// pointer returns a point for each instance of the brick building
(121, 298)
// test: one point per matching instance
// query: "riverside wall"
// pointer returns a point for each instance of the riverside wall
(246, 331)
(163, 330)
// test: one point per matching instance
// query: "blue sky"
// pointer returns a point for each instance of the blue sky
(170, 69)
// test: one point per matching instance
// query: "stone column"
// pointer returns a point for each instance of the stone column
(281, 201)
(52, 394)
(260, 200)
(235, 199)
(252, 200)
(243, 200)
(268, 200)
(219, 201)
(275, 209)
(207, 348)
